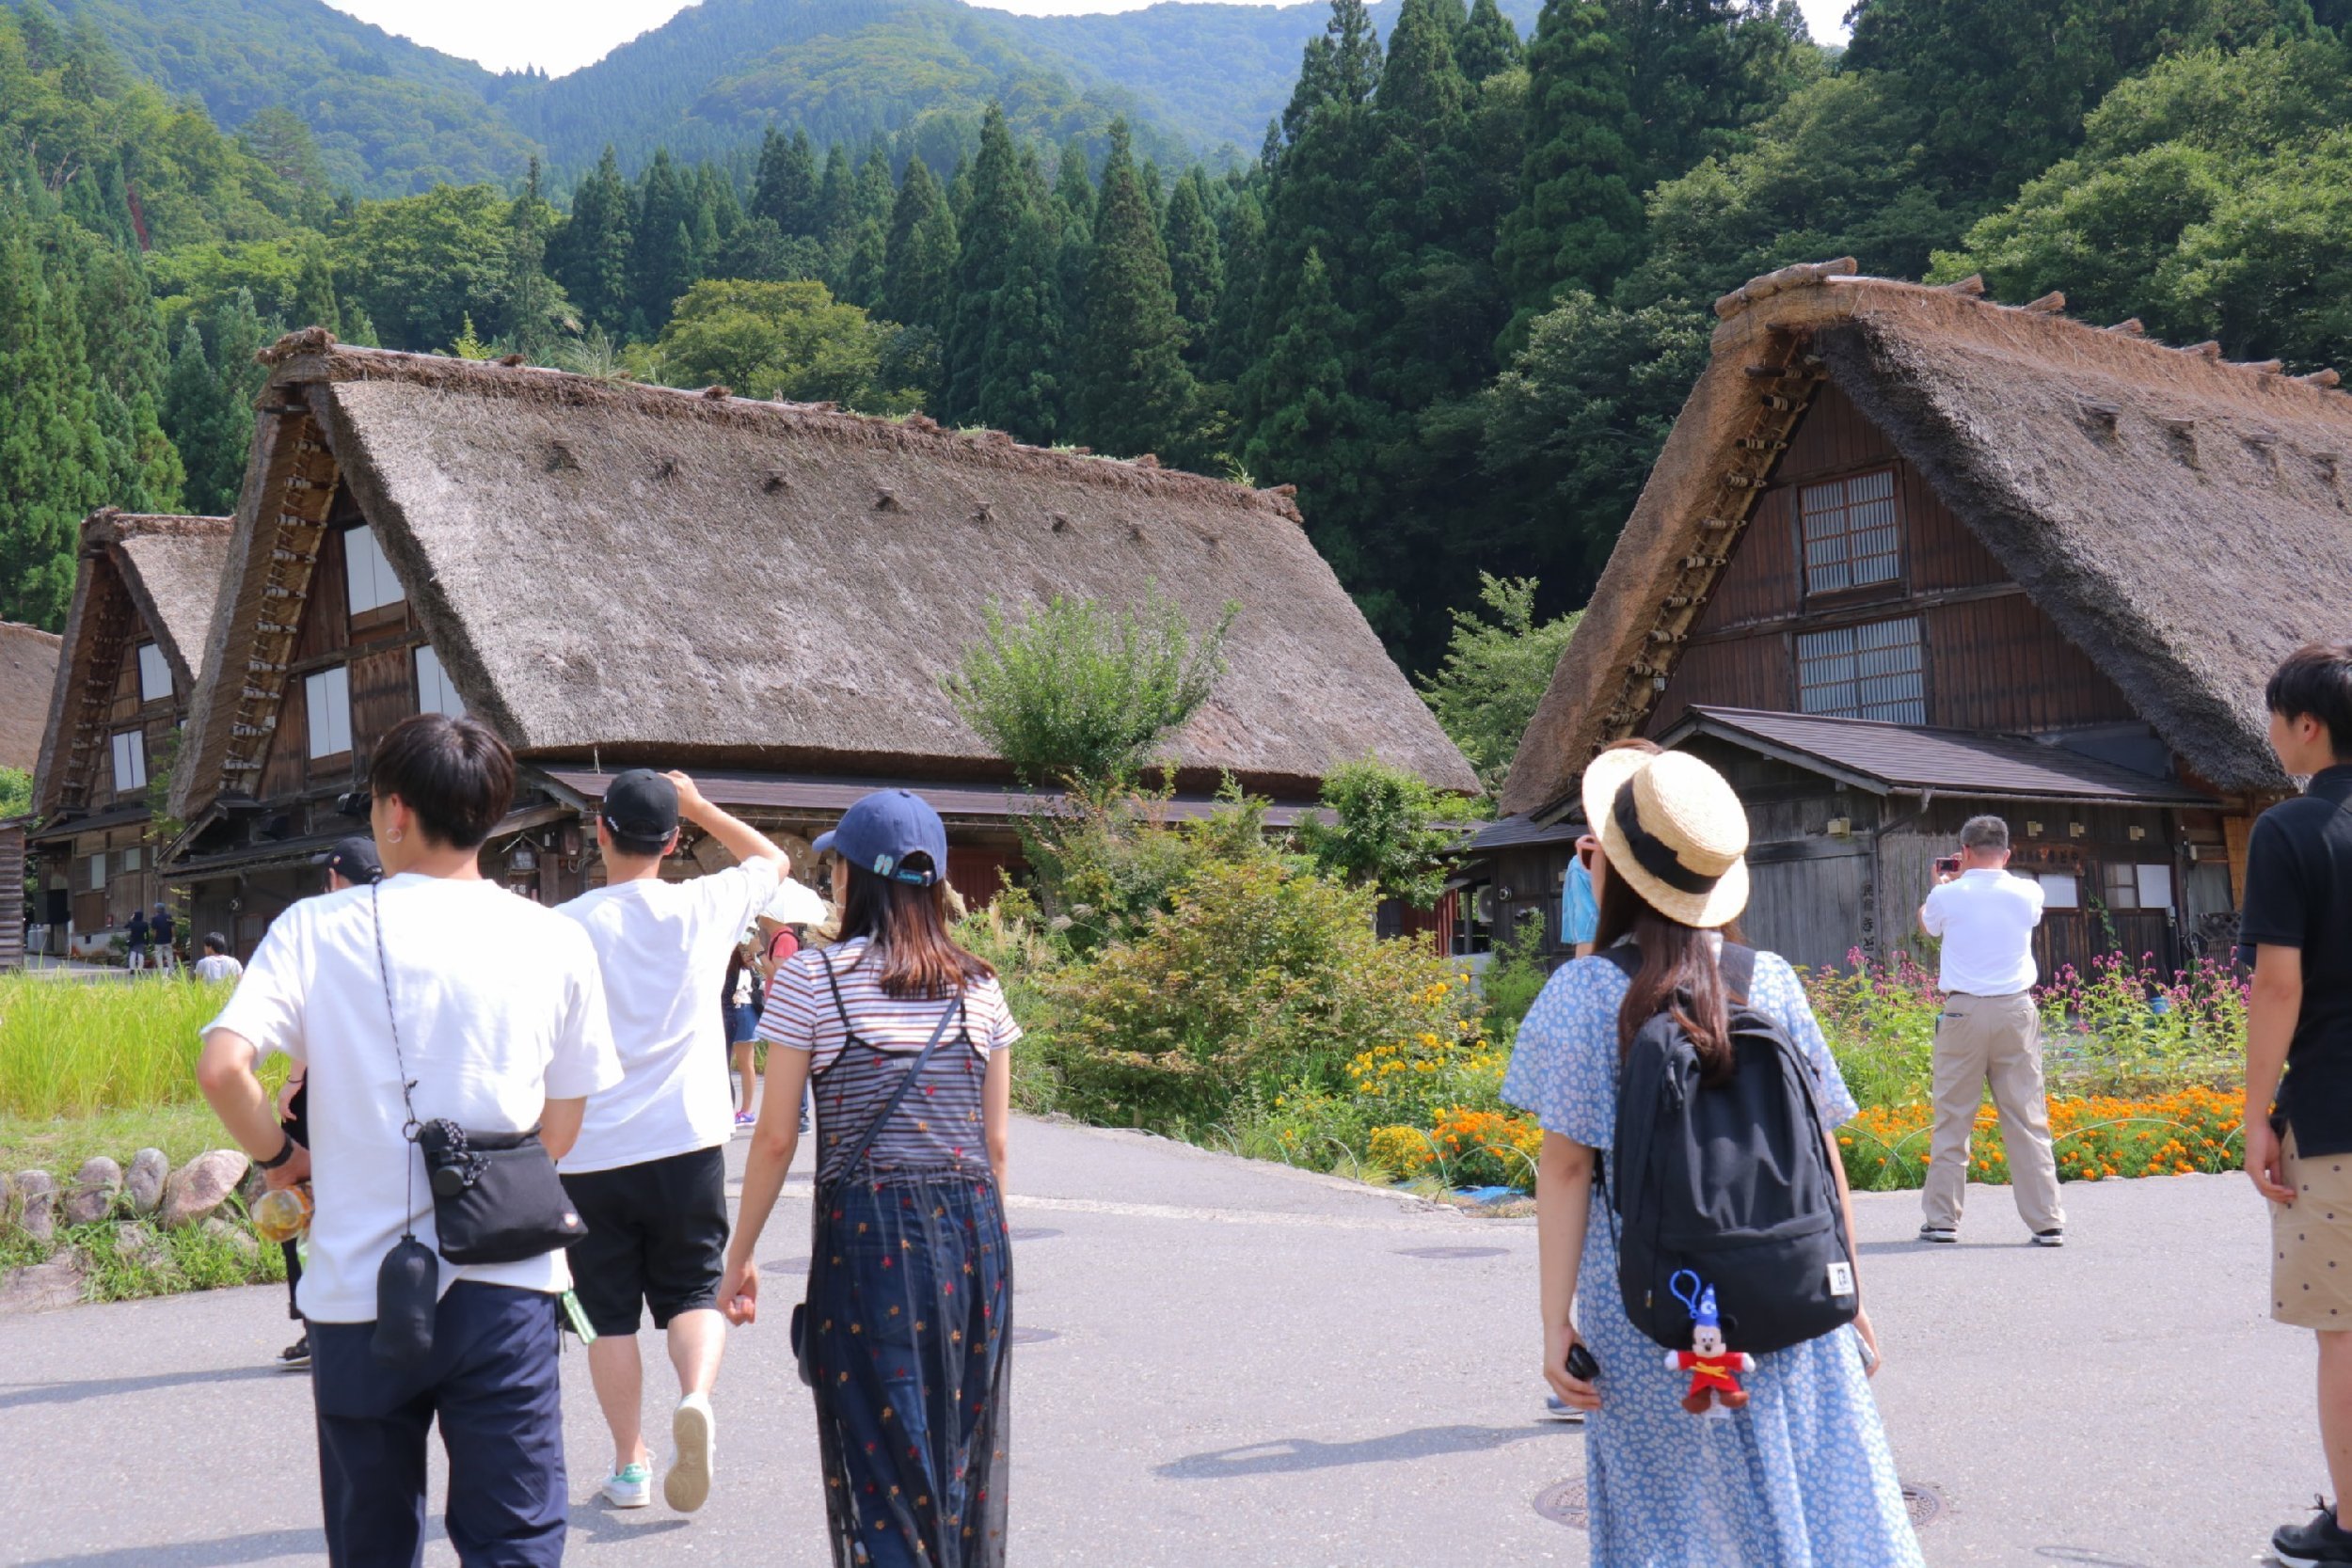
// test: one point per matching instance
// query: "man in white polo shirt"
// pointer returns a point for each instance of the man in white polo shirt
(649, 1172)
(1990, 1032)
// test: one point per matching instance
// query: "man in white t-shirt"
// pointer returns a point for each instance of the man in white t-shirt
(491, 1009)
(649, 1173)
(1990, 1032)
(218, 963)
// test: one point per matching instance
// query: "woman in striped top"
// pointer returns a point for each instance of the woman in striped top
(910, 1285)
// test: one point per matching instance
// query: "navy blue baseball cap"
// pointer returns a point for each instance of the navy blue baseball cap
(879, 833)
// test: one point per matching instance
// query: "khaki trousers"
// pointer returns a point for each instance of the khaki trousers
(1995, 1040)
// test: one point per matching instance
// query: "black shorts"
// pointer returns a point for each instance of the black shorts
(657, 1233)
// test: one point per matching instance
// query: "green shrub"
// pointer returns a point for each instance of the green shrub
(1263, 976)
(1106, 859)
(1080, 691)
(1383, 834)
(1515, 976)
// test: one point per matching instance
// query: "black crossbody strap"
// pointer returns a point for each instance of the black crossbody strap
(873, 1129)
(391, 1016)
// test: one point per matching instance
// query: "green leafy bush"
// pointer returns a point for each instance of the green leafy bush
(1263, 975)
(1078, 691)
(1104, 859)
(1383, 835)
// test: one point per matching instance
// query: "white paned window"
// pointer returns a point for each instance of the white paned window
(2059, 891)
(130, 760)
(154, 673)
(98, 873)
(1851, 538)
(328, 695)
(369, 574)
(435, 694)
(1877, 671)
(2155, 887)
(131, 859)
(2138, 887)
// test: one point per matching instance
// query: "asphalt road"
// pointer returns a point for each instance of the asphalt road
(1248, 1365)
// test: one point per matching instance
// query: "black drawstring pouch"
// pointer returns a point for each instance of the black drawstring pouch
(407, 1290)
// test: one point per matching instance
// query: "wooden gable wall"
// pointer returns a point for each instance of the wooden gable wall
(376, 647)
(1994, 660)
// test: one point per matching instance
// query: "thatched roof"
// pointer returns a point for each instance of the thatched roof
(2185, 521)
(28, 668)
(651, 574)
(137, 575)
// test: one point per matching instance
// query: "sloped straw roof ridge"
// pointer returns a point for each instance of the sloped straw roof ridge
(648, 575)
(2184, 520)
(29, 671)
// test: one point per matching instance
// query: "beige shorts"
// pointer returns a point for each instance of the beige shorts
(2311, 1243)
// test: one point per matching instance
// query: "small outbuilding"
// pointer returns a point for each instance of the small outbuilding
(1909, 555)
(768, 593)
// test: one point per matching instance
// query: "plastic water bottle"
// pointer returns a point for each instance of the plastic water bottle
(283, 1213)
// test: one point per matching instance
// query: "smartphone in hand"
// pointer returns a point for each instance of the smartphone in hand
(1582, 1366)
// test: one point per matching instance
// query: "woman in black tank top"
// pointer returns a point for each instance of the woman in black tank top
(906, 1322)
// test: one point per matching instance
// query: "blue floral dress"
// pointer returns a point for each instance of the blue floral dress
(1801, 1478)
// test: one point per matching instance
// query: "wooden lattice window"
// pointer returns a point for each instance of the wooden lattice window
(1876, 671)
(1851, 534)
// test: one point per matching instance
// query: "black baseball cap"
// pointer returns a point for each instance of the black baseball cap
(354, 860)
(640, 811)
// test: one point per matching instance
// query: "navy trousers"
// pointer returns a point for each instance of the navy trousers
(492, 1382)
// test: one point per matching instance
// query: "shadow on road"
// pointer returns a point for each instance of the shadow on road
(260, 1545)
(15, 1394)
(1285, 1455)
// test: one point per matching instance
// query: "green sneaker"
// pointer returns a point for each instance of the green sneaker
(631, 1486)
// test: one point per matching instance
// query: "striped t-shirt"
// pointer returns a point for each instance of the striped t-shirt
(939, 1121)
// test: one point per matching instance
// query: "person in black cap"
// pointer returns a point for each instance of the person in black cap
(648, 1174)
(352, 862)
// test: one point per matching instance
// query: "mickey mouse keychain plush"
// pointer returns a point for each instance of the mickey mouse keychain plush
(1714, 1369)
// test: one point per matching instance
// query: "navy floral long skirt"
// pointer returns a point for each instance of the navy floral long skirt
(909, 1293)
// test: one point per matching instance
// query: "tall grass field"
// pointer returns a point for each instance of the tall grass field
(72, 1049)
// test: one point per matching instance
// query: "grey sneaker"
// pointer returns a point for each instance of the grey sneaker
(630, 1486)
(1938, 1233)
(2049, 1238)
(1558, 1409)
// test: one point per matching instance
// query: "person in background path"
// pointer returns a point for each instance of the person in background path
(649, 1173)
(778, 943)
(135, 940)
(1802, 1473)
(740, 997)
(909, 1286)
(1990, 1031)
(352, 862)
(2297, 917)
(500, 1027)
(217, 964)
(166, 935)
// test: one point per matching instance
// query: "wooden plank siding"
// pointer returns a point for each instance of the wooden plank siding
(1993, 659)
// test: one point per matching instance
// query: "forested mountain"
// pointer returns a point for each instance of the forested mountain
(389, 116)
(394, 117)
(1456, 298)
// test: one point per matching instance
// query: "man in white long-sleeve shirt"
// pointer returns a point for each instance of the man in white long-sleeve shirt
(1990, 1032)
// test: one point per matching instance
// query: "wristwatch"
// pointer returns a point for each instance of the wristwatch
(278, 1159)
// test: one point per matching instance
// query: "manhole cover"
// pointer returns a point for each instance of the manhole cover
(1034, 1336)
(786, 1265)
(1447, 1253)
(1565, 1504)
(1035, 1233)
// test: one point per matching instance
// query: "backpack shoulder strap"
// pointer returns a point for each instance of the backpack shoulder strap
(1624, 956)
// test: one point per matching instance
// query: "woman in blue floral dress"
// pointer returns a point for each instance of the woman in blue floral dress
(1801, 1476)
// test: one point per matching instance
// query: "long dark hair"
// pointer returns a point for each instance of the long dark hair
(906, 930)
(1679, 975)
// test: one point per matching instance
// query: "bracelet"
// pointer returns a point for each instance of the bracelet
(279, 1158)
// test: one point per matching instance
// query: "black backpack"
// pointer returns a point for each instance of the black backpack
(1732, 1182)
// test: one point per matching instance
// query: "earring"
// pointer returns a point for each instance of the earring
(393, 835)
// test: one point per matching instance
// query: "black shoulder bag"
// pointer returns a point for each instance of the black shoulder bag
(496, 1196)
(801, 1349)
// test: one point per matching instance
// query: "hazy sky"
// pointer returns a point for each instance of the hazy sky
(564, 35)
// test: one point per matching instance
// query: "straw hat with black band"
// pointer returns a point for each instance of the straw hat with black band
(1674, 830)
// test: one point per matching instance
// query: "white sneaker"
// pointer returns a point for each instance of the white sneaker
(630, 1486)
(688, 1484)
